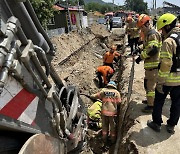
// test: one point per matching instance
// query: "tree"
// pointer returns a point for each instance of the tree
(98, 7)
(44, 10)
(136, 5)
(81, 2)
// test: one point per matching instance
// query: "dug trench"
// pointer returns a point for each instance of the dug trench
(78, 55)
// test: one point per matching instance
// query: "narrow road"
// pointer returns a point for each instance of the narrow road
(145, 139)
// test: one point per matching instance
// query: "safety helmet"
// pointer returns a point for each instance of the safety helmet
(165, 19)
(113, 47)
(142, 19)
(112, 84)
(129, 19)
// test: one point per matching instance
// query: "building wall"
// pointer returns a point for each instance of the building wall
(85, 22)
(59, 21)
(79, 19)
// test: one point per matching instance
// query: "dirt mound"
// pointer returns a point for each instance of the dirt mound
(69, 43)
(78, 55)
(100, 31)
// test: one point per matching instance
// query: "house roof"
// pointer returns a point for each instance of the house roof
(72, 8)
(109, 13)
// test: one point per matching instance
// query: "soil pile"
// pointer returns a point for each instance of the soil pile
(78, 55)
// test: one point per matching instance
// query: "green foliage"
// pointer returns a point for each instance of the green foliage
(81, 2)
(136, 5)
(103, 8)
(44, 10)
(72, 2)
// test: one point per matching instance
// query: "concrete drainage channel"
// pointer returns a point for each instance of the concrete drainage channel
(78, 68)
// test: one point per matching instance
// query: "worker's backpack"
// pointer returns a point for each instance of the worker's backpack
(176, 57)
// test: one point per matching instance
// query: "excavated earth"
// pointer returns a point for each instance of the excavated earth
(77, 57)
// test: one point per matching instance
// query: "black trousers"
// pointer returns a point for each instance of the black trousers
(133, 43)
(109, 64)
(175, 105)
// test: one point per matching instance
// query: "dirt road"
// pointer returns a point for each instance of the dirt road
(141, 138)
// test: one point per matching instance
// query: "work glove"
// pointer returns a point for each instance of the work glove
(138, 60)
(159, 88)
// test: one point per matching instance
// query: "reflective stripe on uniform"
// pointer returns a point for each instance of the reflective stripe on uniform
(113, 134)
(104, 132)
(171, 78)
(109, 113)
(151, 65)
(111, 100)
(150, 94)
(144, 54)
(163, 74)
(154, 43)
(165, 55)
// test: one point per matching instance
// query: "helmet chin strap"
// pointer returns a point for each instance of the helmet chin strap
(167, 29)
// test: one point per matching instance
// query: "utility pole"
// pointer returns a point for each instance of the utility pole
(79, 15)
(113, 5)
(68, 17)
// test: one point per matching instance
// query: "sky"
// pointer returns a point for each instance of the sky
(159, 3)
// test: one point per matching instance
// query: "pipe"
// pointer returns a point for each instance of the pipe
(40, 70)
(30, 30)
(6, 66)
(44, 58)
(28, 67)
(37, 24)
(57, 80)
(59, 103)
(8, 13)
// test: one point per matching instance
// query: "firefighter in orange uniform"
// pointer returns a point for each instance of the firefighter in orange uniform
(106, 72)
(111, 100)
(150, 54)
(110, 56)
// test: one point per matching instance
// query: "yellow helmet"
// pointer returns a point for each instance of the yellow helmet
(165, 19)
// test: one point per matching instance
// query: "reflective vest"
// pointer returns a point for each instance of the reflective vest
(152, 40)
(169, 73)
(132, 30)
(94, 112)
(110, 99)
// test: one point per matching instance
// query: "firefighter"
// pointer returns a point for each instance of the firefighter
(150, 54)
(110, 103)
(110, 23)
(154, 21)
(168, 81)
(94, 115)
(133, 33)
(110, 56)
(178, 18)
(106, 72)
